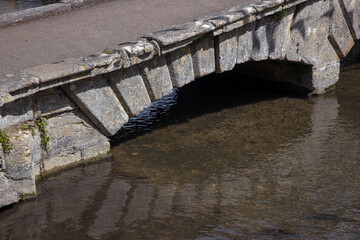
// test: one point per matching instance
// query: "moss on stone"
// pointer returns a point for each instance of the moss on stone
(7, 146)
(44, 134)
(281, 14)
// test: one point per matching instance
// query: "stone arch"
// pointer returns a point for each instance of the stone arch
(296, 41)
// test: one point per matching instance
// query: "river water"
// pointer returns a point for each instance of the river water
(8, 6)
(221, 158)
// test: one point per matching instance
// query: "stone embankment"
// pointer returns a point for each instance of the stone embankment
(26, 15)
(60, 114)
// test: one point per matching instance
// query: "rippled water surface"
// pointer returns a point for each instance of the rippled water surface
(218, 159)
(7, 6)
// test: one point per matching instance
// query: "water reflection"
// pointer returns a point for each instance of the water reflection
(251, 167)
(8, 6)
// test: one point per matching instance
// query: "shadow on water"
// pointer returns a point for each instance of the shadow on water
(209, 94)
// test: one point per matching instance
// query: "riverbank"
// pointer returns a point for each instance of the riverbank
(30, 14)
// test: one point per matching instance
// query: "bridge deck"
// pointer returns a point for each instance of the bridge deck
(91, 29)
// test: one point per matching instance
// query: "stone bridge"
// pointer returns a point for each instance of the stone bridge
(57, 115)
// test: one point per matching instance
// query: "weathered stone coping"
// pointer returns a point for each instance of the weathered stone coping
(27, 15)
(29, 81)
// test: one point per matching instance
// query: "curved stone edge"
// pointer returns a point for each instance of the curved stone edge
(30, 14)
(29, 81)
(202, 47)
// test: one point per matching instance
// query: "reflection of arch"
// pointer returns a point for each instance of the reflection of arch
(348, 95)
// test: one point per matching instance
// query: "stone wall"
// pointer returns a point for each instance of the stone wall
(78, 103)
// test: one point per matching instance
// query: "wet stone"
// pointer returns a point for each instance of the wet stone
(7, 193)
(325, 77)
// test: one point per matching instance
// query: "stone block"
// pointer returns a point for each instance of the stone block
(98, 60)
(271, 36)
(340, 36)
(269, 12)
(226, 49)
(232, 15)
(203, 55)
(52, 101)
(261, 40)
(351, 9)
(25, 187)
(178, 36)
(97, 100)
(309, 42)
(72, 133)
(279, 33)
(245, 42)
(18, 161)
(156, 77)
(16, 112)
(17, 85)
(238, 24)
(8, 194)
(135, 52)
(265, 5)
(325, 77)
(50, 72)
(97, 151)
(60, 161)
(129, 87)
(180, 66)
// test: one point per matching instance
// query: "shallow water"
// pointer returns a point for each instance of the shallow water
(8, 6)
(218, 159)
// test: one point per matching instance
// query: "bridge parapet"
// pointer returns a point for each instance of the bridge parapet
(89, 98)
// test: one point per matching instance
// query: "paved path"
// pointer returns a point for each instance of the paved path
(91, 29)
